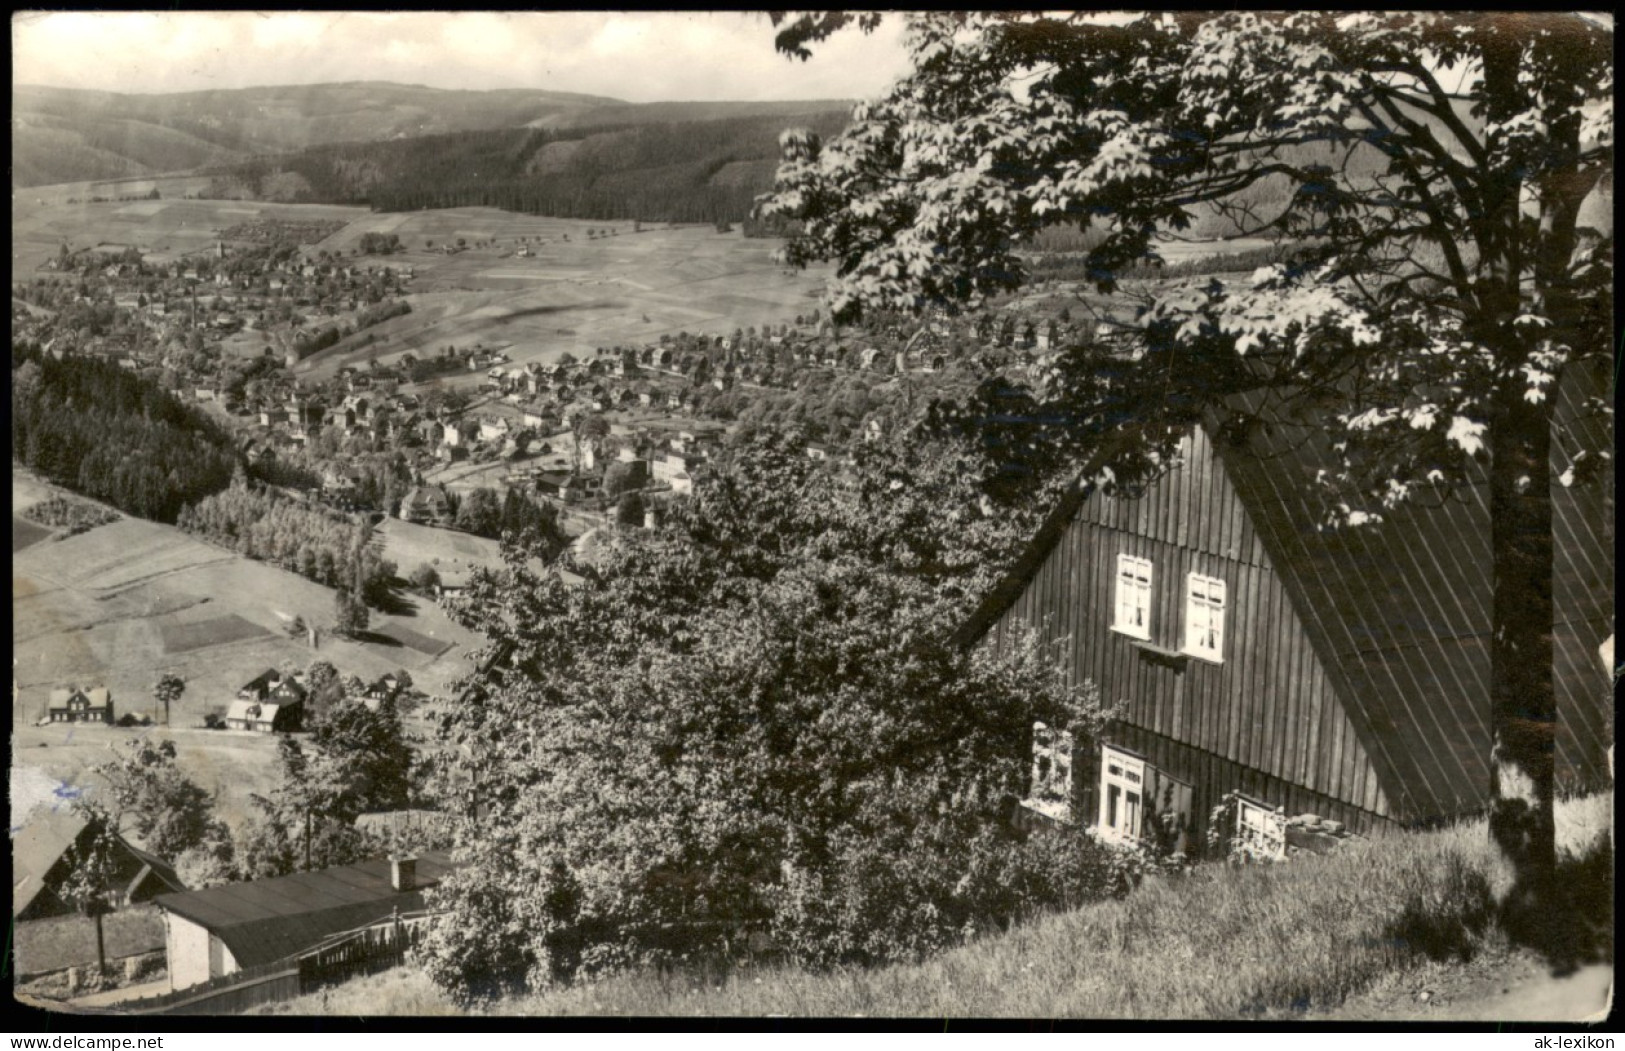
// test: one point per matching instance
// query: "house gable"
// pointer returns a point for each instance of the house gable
(1356, 664)
(1268, 716)
(1400, 610)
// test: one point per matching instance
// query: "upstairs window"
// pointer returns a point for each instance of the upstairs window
(1204, 617)
(1133, 615)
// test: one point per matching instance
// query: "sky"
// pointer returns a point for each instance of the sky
(635, 56)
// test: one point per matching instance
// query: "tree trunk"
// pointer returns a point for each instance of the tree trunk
(1523, 707)
(101, 946)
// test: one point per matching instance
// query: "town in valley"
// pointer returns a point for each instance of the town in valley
(506, 546)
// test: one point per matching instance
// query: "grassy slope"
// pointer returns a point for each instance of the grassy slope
(1273, 941)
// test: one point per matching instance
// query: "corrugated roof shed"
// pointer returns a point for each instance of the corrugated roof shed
(268, 920)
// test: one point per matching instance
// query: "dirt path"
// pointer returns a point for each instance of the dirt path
(1515, 987)
(117, 996)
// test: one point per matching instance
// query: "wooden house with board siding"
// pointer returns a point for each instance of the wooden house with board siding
(1341, 672)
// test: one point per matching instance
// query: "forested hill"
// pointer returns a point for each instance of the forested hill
(64, 135)
(101, 430)
(689, 171)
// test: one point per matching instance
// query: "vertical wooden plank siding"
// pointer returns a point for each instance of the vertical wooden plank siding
(1266, 717)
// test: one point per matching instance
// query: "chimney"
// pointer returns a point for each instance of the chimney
(403, 873)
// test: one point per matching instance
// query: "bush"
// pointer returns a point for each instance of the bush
(902, 901)
(74, 516)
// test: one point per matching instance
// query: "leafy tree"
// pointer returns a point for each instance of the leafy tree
(425, 578)
(168, 690)
(743, 715)
(620, 478)
(91, 885)
(324, 691)
(364, 758)
(350, 617)
(480, 513)
(588, 427)
(306, 823)
(629, 509)
(169, 811)
(1430, 174)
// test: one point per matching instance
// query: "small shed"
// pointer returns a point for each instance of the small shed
(216, 932)
(81, 705)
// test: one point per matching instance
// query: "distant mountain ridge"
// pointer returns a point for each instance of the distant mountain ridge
(66, 135)
(70, 135)
(403, 146)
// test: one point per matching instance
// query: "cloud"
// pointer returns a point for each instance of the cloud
(633, 56)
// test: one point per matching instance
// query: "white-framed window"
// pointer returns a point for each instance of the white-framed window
(1133, 616)
(1204, 616)
(1260, 830)
(1050, 791)
(1122, 794)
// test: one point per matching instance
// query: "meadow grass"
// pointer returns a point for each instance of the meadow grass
(1220, 942)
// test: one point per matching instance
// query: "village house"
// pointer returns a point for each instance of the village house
(340, 418)
(493, 428)
(219, 931)
(271, 702)
(48, 847)
(78, 705)
(340, 481)
(427, 505)
(1292, 668)
(455, 577)
(386, 688)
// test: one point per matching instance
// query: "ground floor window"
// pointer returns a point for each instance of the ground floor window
(1260, 830)
(1050, 791)
(1122, 794)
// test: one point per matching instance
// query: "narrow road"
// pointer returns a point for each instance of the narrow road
(113, 997)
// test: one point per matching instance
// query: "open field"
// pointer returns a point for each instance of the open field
(124, 603)
(170, 186)
(166, 229)
(231, 764)
(572, 295)
(409, 545)
(25, 534)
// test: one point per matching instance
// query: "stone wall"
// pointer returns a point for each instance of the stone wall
(1310, 832)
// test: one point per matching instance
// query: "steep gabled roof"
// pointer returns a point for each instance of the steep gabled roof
(1398, 613)
(95, 697)
(42, 844)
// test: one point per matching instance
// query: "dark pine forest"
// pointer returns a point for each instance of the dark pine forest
(687, 172)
